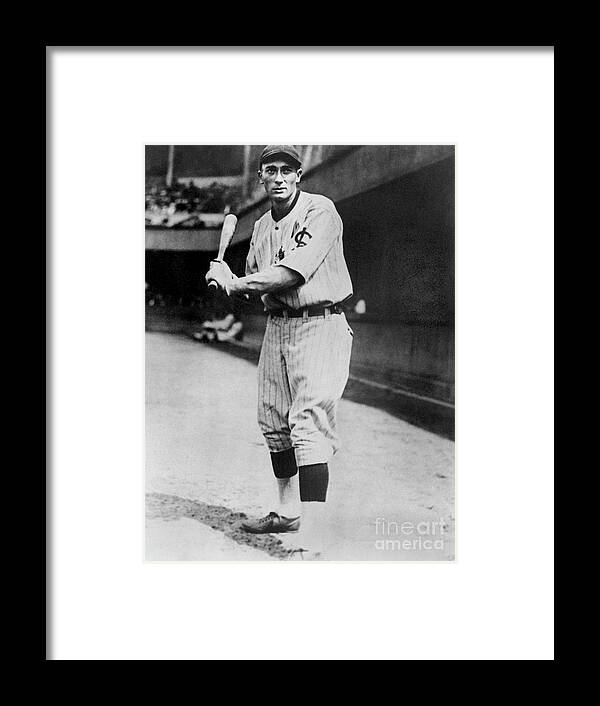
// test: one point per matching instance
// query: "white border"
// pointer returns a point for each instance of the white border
(497, 107)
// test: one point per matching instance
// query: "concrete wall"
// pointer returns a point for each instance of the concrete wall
(399, 245)
(415, 357)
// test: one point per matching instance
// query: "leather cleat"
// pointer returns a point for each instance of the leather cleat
(271, 523)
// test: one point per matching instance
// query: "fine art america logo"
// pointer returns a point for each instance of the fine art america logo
(409, 536)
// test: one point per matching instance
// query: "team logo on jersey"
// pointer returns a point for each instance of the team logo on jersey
(300, 236)
(280, 255)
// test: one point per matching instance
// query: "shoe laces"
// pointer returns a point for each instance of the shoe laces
(267, 518)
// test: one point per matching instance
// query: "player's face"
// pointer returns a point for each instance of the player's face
(279, 179)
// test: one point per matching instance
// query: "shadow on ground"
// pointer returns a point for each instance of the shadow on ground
(171, 507)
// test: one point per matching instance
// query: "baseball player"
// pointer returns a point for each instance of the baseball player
(296, 264)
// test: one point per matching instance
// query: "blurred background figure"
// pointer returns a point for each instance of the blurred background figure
(361, 307)
(222, 320)
(221, 330)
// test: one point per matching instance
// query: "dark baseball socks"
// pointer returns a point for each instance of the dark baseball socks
(313, 478)
(284, 463)
(307, 484)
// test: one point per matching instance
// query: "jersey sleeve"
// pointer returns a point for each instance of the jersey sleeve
(321, 228)
(251, 264)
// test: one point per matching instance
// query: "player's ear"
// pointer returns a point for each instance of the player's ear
(298, 175)
(260, 179)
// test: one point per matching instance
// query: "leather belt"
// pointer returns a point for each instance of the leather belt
(317, 310)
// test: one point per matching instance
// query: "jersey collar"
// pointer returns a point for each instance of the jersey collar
(291, 208)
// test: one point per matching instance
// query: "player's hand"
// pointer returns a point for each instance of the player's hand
(220, 273)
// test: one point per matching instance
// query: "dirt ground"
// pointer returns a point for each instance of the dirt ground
(391, 493)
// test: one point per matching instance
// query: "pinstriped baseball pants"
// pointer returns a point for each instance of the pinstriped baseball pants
(302, 372)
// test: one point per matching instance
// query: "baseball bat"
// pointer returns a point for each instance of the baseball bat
(227, 232)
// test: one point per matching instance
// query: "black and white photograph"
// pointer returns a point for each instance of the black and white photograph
(300, 405)
(299, 352)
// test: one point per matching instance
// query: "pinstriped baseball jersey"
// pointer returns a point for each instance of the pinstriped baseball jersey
(308, 240)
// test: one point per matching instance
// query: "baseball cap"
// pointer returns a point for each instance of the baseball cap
(284, 150)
